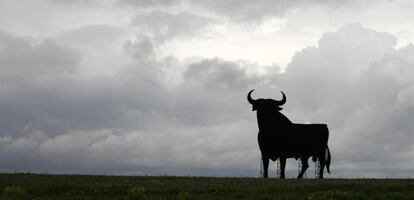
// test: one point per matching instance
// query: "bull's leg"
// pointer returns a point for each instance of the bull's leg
(265, 167)
(322, 166)
(305, 166)
(282, 167)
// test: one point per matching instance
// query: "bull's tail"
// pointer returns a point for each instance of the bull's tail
(328, 159)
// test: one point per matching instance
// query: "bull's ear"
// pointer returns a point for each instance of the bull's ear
(253, 108)
(278, 108)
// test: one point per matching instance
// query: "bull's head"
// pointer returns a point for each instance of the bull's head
(266, 104)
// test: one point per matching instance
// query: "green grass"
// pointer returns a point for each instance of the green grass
(30, 186)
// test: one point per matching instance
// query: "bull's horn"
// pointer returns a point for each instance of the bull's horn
(283, 101)
(249, 98)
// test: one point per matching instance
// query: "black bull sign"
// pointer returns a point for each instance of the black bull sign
(279, 138)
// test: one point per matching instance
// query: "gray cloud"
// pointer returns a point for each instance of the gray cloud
(244, 11)
(149, 3)
(24, 57)
(93, 36)
(129, 121)
(163, 25)
(216, 73)
(27, 65)
(354, 80)
(71, 2)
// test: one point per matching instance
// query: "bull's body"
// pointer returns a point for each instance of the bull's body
(279, 138)
(302, 140)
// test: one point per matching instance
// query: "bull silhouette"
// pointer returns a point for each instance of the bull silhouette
(279, 138)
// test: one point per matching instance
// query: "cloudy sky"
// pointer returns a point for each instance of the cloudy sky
(159, 87)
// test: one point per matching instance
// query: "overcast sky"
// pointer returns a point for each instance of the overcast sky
(159, 87)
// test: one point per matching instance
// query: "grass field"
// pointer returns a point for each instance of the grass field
(29, 186)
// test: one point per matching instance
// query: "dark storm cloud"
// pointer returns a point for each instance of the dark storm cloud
(26, 65)
(43, 89)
